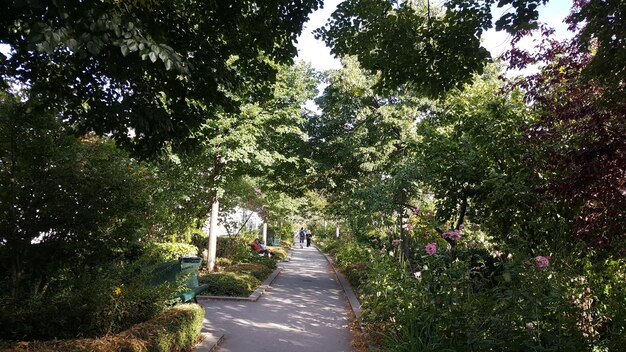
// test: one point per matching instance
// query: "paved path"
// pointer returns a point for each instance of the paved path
(303, 310)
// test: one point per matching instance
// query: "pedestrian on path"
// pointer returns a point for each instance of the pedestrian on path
(302, 234)
(308, 239)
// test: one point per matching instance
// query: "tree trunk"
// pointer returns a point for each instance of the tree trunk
(215, 205)
(462, 212)
(213, 234)
(14, 243)
(403, 235)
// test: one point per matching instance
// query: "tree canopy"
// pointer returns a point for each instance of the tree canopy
(147, 72)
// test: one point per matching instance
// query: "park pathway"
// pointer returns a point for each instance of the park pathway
(303, 310)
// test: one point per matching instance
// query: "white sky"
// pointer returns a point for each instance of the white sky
(316, 52)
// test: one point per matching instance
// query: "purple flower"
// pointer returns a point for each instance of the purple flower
(542, 261)
(453, 234)
(431, 248)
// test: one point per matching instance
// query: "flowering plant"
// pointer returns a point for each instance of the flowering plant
(431, 248)
(453, 234)
(542, 261)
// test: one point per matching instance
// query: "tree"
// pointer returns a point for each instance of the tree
(578, 140)
(430, 48)
(263, 140)
(359, 142)
(65, 202)
(147, 72)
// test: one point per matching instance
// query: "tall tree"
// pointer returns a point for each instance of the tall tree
(359, 141)
(264, 139)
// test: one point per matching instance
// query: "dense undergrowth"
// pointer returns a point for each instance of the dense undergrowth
(476, 298)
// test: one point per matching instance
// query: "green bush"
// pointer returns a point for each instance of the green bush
(159, 252)
(98, 303)
(257, 270)
(469, 299)
(177, 329)
(235, 248)
(230, 284)
(255, 258)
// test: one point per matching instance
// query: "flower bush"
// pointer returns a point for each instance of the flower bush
(476, 298)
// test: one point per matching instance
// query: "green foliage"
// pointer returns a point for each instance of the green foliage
(96, 304)
(177, 329)
(158, 252)
(158, 68)
(286, 231)
(465, 300)
(236, 248)
(65, 202)
(431, 48)
(260, 271)
(236, 284)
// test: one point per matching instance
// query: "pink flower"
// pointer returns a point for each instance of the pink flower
(431, 248)
(453, 234)
(542, 261)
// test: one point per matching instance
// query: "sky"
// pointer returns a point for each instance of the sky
(315, 52)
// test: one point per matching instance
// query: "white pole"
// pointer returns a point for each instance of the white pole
(337, 231)
(213, 234)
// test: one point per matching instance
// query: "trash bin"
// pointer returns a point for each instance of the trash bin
(276, 241)
(190, 263)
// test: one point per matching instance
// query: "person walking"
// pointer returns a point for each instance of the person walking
(309, 235)
(302, 234)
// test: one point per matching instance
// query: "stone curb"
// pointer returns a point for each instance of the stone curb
(210, 342)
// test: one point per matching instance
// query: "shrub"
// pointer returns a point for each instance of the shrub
(95, 304)
(177, 329)
(255, 258)
(230, 284)
(257, 270)
(235, 248)
(278, 253)
(158, 252)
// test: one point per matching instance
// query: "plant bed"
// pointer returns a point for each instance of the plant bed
(177, 329)
(235, 284)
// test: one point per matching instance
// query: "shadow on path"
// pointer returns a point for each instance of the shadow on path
(303, 310)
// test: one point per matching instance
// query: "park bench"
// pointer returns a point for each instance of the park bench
(171, 271)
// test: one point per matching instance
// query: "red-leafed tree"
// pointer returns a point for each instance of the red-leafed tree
(580, 138)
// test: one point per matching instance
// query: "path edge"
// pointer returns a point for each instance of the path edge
(355, 305)
(209, 343)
